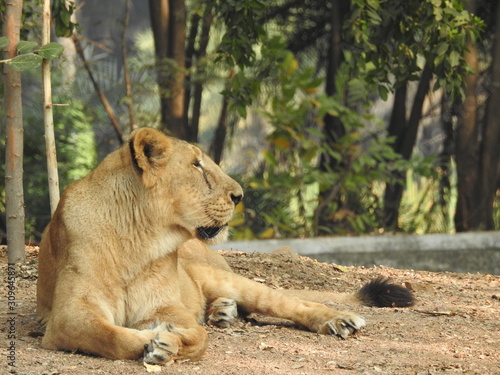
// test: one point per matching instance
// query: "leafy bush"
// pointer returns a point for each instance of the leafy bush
(292, 192)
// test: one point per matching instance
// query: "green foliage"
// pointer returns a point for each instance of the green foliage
(76, 154)
(62, 10)
(291, 190)
(393, 39)
(243, 29)
(30, 56)
(4, 42)
(31, 18)
(50, 50)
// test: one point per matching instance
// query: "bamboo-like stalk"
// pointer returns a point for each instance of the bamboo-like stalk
(48, 117)
(14, 189)
(126, 71)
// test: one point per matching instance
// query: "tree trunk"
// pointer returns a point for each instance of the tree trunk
(490, 155)
(126, 71)
(48, 117)
(217, 146)
(396, 129)
(466, 151)
(191, 58)
(333, 129)
(404, 145)
(198, 87)
(444, 161)
(14, 143)
(168, 21)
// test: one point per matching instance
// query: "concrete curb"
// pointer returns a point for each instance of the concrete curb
(375, 243)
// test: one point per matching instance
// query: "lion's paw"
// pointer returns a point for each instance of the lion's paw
(343, 325)
(222, 312)
(163, 349)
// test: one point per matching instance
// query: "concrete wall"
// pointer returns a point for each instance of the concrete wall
(463, 252)
(375, 243)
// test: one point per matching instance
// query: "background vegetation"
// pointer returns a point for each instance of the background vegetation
(338, 116)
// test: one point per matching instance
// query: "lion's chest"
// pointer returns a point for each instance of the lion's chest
(159, 284)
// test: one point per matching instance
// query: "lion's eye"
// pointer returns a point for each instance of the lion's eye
(197, 164)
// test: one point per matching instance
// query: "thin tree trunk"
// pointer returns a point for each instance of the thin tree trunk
(159, 11)
(466, 151)
(396, 128)
(198, 87)
(444, 161)
(14, 143)
(410, 137)
(126, 72)
(490, 155)
(168, 21)
(404, 145)
(217, 145)
(398, 121)
(190, 61)
(333, 129)
(48, 117)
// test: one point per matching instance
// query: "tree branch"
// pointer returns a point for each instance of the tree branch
(107, 107)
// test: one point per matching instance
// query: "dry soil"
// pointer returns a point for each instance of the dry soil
(453, 328)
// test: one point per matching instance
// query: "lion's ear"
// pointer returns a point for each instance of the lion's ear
(148, 149)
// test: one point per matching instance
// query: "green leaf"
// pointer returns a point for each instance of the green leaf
(25, 62)
(383, 92)
(442, 48)
(24, 46)
(242, 111)
(454, 58)
(4, 42)
(51, 50)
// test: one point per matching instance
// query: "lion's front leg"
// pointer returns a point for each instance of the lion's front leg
(178, 336)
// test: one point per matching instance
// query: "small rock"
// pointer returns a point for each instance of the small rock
(286, 252)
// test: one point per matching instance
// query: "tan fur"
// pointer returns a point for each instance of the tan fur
(121, 268)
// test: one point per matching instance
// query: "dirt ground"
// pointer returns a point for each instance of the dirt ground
(453, 328)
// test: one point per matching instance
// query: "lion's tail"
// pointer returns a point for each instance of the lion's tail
(379, 292)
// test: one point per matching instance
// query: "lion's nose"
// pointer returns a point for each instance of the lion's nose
(236, 198)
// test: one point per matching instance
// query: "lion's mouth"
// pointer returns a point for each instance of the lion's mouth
(206, 233)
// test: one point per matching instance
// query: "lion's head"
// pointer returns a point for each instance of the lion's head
(199, 196)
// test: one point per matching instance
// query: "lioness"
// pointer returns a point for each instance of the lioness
(123, 269)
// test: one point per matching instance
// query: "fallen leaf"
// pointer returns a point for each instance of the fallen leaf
(408, 286)
(264, 346)
(152, 368)
(340, 268)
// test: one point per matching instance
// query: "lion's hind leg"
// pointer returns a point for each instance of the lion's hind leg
(337, 323)
(222, 312)
(251, 296)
